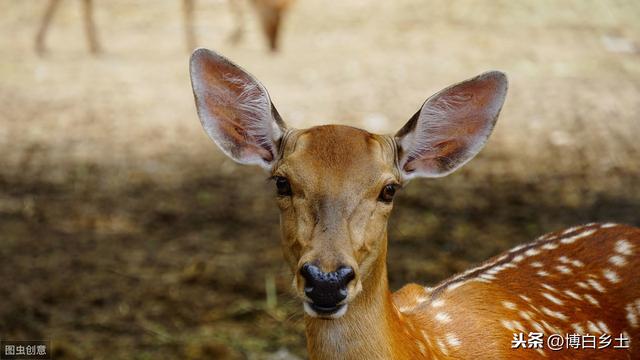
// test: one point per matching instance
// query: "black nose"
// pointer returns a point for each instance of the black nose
(326, 289)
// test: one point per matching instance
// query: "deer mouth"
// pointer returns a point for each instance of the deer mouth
(326, 312)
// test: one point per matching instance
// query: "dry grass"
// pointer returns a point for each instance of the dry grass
(126, 234)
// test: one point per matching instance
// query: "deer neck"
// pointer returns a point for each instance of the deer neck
(370, 329)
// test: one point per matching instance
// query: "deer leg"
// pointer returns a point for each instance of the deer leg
(270, 18)
(90, 27)
(187, 10)
(44, 26)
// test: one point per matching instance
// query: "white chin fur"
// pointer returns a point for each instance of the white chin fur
(336, 315)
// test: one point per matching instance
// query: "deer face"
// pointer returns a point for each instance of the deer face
(335, 184)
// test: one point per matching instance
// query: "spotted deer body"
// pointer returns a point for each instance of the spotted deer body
(557, 284)
(335, 186)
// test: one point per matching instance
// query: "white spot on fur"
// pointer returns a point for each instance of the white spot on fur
(507, 325)
(518, 248)
(582, 285)
(455, 285)
(525, 315)
(518, 258)
(550, 246)
(618, 260)
(624, 247)
(532, 252)
(509, 305)
(563, 269)
(549, 287)
(578, 329)
(442, 347)
(608, 225)
(536, 326)
(552, 329)
(573, 295)
(443, 317)
(438, 303)
(555, 314)
(487, 277)
(542, 273)
(553, 299)
(518, 325)
(452, 340)
(577, 263)
(570, 230)
(611, 275)
(633, 313)
(536, 264)
(573, 238)
(596, 285)
(525, 298)
(421, 347)
(591, 299)
(567, 261)
(512, 325)
(425, 336)
(593, 328)
(604, 327)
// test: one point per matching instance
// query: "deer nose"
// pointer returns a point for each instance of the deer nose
(326, 289)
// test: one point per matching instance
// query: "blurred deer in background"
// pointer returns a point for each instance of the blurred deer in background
(270, 14)
(335, 187)
(89, 26)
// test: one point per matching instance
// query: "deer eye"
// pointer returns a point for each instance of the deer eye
(386, 195)
(283, 186)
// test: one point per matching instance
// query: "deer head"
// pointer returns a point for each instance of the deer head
(335, 184)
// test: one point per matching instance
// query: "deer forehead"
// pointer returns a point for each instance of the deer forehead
(338, 157)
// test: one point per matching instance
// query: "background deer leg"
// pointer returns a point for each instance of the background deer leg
(270, 14)
(44, 26)
(90, 28)
(187, 10)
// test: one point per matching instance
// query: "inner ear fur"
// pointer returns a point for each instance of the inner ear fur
(451, 127)
(235, 109)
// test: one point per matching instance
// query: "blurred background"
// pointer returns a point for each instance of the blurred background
(125, 234)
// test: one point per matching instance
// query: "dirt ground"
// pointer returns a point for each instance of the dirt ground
(125, 234)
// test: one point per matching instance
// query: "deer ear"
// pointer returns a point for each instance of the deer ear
(235, 109)
(451, 127)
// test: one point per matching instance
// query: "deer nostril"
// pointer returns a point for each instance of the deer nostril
(345, 275)
(310, 273)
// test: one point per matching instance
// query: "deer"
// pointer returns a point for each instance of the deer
(335, 186)
(270, 14)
